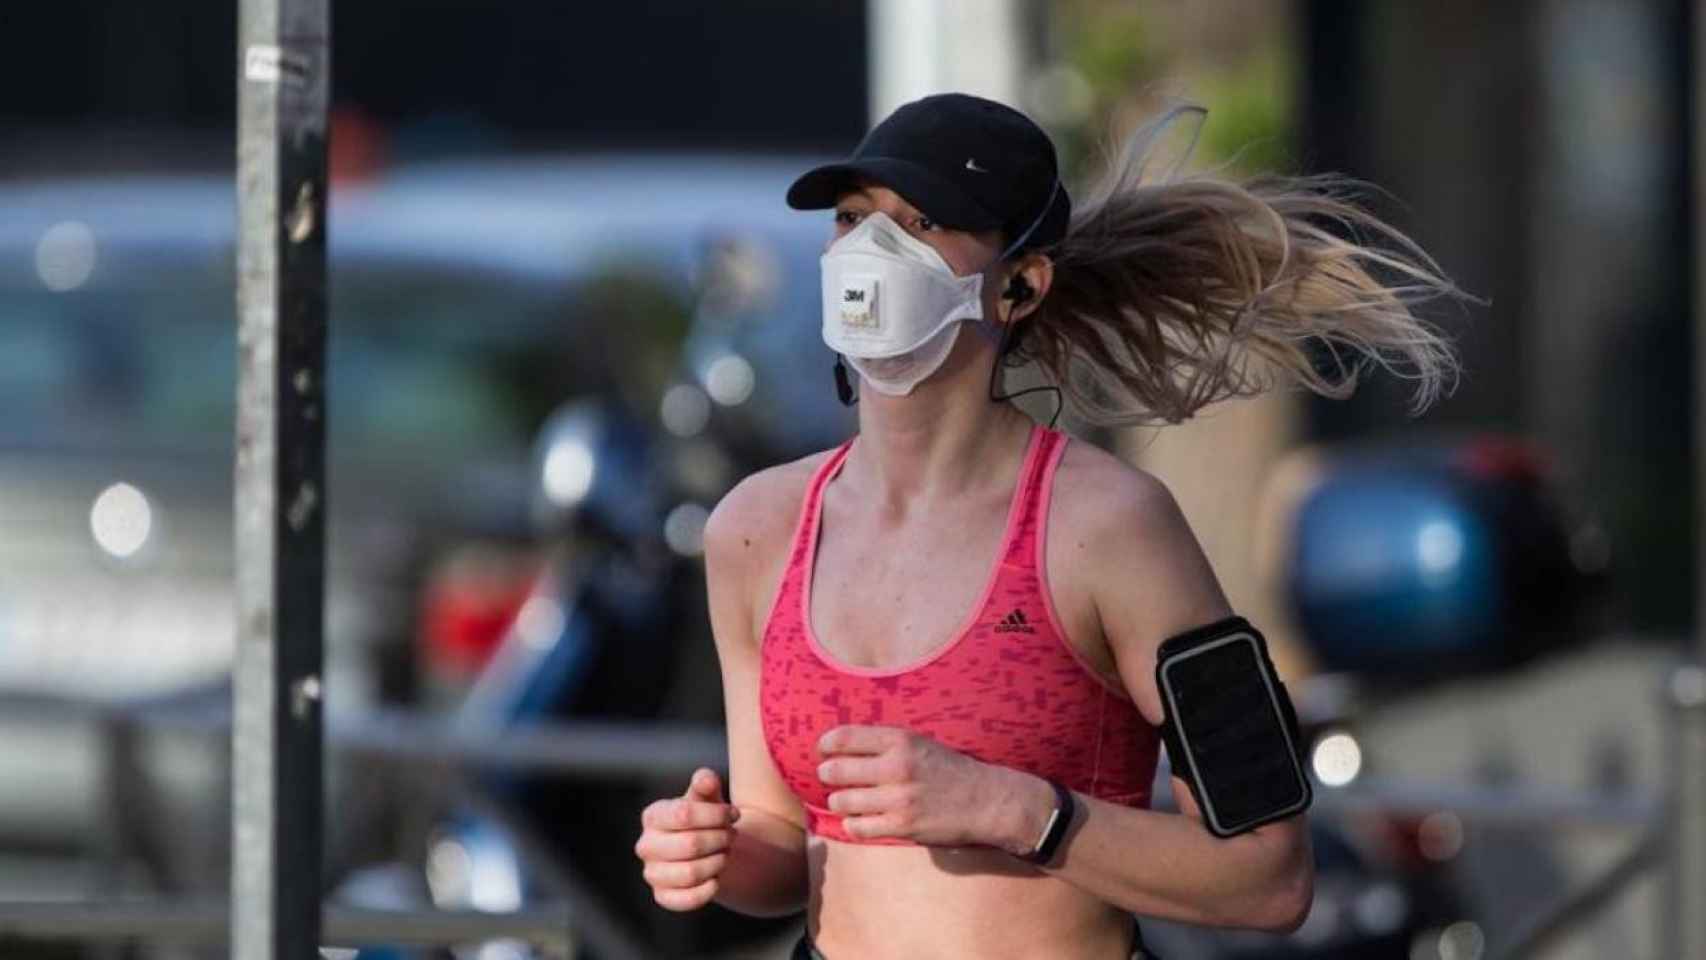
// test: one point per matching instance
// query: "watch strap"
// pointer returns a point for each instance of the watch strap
(1065, 807)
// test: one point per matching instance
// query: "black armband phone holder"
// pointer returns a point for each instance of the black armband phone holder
(1230, 728)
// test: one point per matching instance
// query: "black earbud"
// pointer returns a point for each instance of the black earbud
(1018, 289)
(844, 384)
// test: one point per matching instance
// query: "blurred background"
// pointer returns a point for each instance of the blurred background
(569, 310)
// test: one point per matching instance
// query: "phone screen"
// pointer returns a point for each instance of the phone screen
(1230, 723)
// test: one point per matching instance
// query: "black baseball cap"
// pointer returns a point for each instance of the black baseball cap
(966, 162)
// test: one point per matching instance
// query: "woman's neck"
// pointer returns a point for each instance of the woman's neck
(935, 444)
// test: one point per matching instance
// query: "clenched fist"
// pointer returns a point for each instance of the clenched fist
(684, 842)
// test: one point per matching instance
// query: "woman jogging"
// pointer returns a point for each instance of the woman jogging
(938, 641)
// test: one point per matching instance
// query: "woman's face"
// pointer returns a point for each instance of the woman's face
(965, 251)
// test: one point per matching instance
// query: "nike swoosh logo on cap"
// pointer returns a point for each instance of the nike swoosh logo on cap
(971, 164)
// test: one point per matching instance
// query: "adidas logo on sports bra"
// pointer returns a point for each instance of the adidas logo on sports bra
(1014, 623)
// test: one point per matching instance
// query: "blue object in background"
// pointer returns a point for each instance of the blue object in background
(1393, 567)
(1435, 559)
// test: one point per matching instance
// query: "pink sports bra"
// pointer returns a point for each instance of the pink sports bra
(1007, 688)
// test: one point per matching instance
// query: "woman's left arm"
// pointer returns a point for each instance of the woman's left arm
(1149, 580)
(1168, 865)
(1126, 539)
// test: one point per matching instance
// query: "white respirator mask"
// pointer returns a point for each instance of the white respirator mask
(891, 303)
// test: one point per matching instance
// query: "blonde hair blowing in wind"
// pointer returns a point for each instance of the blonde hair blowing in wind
(1169, 294)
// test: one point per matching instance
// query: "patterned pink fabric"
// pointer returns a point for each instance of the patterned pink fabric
(1006, 689)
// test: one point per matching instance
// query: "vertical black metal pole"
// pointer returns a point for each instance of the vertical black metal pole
(283, 77)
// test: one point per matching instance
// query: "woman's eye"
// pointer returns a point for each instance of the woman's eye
(850, 218)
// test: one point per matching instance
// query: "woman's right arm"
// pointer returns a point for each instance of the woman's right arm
(750, 854)
(746, 541)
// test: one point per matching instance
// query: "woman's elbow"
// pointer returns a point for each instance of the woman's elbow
(1290, 906)
(1292, 891)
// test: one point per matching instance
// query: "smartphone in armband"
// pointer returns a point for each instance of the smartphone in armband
(1230, 728)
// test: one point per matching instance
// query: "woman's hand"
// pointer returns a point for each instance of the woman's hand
(685, 841)
(897, 783)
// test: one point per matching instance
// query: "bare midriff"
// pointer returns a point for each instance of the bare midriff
(952, 903)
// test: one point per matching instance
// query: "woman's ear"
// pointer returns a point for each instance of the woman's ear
(1027, 285)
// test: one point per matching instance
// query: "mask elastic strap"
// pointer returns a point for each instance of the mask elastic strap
(1047, 206)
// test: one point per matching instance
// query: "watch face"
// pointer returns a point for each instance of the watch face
(1059, 819)
(1229, 722)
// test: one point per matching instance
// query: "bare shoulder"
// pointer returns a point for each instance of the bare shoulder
(749, 532)
(1100, 495)
(1127, 528)
(1136, 557)
(760, 510)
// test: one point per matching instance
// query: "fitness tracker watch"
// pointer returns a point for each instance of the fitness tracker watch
(1058, 822)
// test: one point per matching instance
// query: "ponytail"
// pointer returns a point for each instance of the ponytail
(1170, 295)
